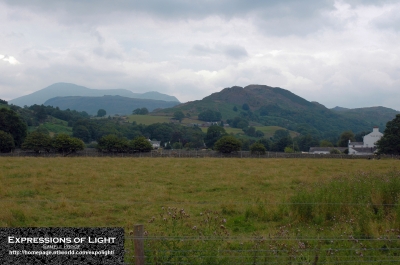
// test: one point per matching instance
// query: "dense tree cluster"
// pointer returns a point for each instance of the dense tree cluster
(238, 122)
(210, 115)
(62, 143)
(36, 114)
(113, 143)
(140, 111)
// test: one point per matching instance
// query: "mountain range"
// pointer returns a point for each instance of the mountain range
(111, 104)
(68, 89)
(265, 106)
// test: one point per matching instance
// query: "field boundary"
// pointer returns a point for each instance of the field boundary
(91, 152)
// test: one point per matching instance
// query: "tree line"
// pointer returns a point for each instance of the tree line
(115, 135)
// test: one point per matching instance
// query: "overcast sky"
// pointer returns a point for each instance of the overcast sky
(339, 53)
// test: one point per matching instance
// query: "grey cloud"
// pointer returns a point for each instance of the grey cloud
(106, 53)
(234, 51)
(171, 8)
(388, 20)
(202, 50)
(230, 51)
(98, 36)
(96, 12)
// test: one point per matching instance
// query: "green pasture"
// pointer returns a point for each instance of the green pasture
(247, 203)
(55, 126)
(148, 119)
(124, 191)
(267, 130)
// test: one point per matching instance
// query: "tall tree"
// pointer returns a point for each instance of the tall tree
(345, 137)
(81, 132)
(214, 133)
(101, 113)
(390, 141)
(178, 115)
(11, 123)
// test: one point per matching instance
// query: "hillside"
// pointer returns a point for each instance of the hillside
(67, 89)
(275, 106)
(378, 116)
(112, 104)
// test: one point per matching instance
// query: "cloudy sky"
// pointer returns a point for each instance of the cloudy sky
(343, 52)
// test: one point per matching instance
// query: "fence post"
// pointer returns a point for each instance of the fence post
(138, 243)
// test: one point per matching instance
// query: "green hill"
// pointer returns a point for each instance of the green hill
(376, 116)
(274, 106)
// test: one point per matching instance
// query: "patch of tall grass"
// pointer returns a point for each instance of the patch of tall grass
(362, 199)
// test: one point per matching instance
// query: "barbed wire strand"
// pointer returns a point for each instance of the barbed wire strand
(189, 203)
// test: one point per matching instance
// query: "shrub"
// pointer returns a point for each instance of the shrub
(67, 144)
(228, 144)
(141, 144)
(334, 151)
(37, 141)
(258, 148)
(112, 143)
(288, 149)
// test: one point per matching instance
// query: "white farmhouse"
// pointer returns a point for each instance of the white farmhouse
(368, 145)
(371, 139)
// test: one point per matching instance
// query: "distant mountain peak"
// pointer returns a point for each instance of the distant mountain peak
(337, 108)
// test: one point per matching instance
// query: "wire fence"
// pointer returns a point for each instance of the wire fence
(262, 250)
(175, 242)
(180, 153)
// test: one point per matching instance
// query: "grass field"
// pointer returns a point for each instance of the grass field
(250, 194)
(55, 126)
(148, 119)
(120, 192)
(267, 130)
